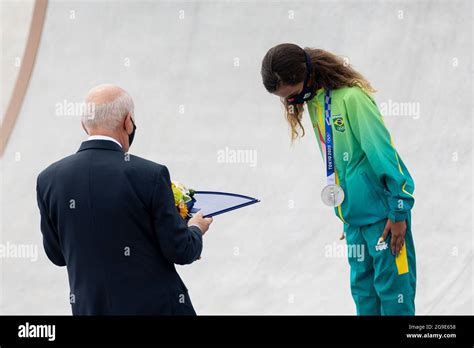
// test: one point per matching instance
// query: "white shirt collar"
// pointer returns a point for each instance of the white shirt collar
(103, 137)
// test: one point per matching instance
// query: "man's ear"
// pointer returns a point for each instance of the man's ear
(84, 127)
(128, 123)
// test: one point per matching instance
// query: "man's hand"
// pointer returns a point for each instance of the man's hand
(202, 223)
(397, 229)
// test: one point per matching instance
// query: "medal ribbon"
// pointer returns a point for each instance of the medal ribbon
(330, 173)
(327, 145)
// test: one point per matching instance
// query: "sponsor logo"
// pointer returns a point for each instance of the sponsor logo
(381, 245)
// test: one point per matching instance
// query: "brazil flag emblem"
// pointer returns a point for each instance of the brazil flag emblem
(338, 123)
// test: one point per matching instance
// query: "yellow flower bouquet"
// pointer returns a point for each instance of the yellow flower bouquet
(183, 199)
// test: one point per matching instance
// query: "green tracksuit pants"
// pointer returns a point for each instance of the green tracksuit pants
(381, 284)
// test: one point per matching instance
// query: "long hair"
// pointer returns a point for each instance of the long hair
(284, 64)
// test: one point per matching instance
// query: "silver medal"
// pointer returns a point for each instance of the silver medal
(332, 195)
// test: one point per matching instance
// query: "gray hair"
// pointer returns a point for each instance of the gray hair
(108, 115)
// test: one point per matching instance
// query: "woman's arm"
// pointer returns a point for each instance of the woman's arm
(375, 140)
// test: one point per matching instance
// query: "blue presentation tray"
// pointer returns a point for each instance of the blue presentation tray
(213, 203)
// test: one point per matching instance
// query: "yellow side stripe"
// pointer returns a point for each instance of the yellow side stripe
(339, 210)
(402, 261)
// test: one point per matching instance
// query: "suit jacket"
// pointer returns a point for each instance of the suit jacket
(110, 218)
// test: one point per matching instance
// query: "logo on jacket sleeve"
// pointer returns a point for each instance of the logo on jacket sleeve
(338, 123)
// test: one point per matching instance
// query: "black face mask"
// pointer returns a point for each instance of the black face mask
(131, 135)
(307, 93)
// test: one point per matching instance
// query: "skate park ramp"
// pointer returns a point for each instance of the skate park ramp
(193, 70)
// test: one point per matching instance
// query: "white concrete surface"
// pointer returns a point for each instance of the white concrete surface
(270, 258)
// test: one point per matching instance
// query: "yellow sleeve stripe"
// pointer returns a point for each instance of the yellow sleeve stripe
(396, 156)
(405, 191)
(400, 169)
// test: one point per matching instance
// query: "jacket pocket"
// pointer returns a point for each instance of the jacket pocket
(378, 194)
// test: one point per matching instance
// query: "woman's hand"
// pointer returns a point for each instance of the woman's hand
(398, 230)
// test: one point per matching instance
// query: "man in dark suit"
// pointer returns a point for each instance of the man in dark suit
(110, 218)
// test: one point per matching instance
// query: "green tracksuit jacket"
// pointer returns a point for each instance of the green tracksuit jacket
(375, 180)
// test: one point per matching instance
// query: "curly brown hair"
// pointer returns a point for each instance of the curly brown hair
(285, 64)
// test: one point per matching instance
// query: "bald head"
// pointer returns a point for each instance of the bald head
(109, 111)
(103, 94)
(108, 105)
